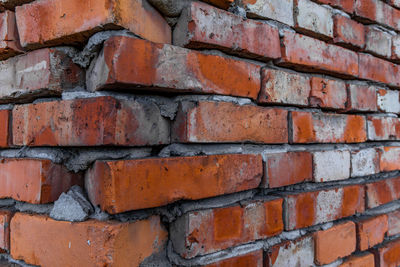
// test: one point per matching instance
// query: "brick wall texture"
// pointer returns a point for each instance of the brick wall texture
(214, 133)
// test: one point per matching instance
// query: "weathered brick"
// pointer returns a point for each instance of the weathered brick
(378, 42)
(89, 122)
(383, 128)
(388, 101)
(361, 97)
(204, 26)
(382, 192)
(39, 181)
(377, 11)
(364, 162)
(371, 232)
(5, 218)
(393, 223)
(306, 53)
(396, 47)
(395, 3)
(279, 10)
(252, 259)
(206, 231)
(388, 255)
(9, 40)
(11, 4)
(72, 22)
(331, 165)
(379, 70)
(348, 32)
(127, 62)
(287, 168)
(389, 159)
(89, 243)
(311, 208)
(299, 252)
(44, 72)
(365, 260)
(313, 19)
(4, 127)
(346, 5)
(159, 181)
(263, 125)
(224, 4)
(328, 93)
(282, 87)
(336, 242)
(310, 127)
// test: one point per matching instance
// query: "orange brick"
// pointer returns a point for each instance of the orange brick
(306, 53)
(89, 243)
(126, 62)
(287, 168)
(11, 4)
(345, 5)
(336, 242)
(327, 93)
(348, 32)
(382, 192)
(310, 127)
(200, 27)
(89, 122)
(4, 127)
(366, 260)
(5, 219)
(371, 232)
(393, 223)
(388, 255)
(253, 259)
(263, 125)
(206, 231)
(377, 11)
(389, 159)
(72, 22)
(224, 4)
(39, 181)
(383, 128)
(9, 40)
(362, 97)
(309, 208)
(119, 186)
(378, 70)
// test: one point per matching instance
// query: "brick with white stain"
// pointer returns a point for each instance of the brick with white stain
(328, 93)
(348, 32)
(388, 101)
(279, 10)
(361, 97)
(383, 128)
(396, 47)
(394, 223)
(389, 158)
(364, 162)
(331, 165)
(378, 41)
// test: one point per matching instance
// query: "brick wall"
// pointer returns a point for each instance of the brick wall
(215, 133)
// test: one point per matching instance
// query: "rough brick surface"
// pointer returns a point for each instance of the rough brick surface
(254, 259)
(378, 42)
(379, 70)
(5, 219)
(389, 254)
(130, 63)
(364, 260)
(393, 223)
(156, 182)
(382, 192)
(331, 165)
(388, 101)
(348, 32)
(280, 10)
(207, 231)
(4, 128)
(362, 97)
(9, 39)
(89, 122)
(346, 5)
(364, 162)
(389, 159)
(383, 128)
(72, 22)
(327, 93)
(371, 232)
(114, 243)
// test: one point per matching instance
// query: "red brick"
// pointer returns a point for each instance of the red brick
(203, 26)
(252, 259)
(5, 219)
(306, 53)
(132, 63)
(9, 40)
(346, 5)
(377, 11)
(362, 97)
(206, 231)
(311, 208)
(4, 127)
(282, 87)
(327, 93)
(365, 260)
(389, 159)
(72, 22)
(89, 243)
(378, 41)
(382, 192)
(348, 32)
(299, 252)
(89, 122)
(39, 181)
(44, 72)
(383, 128)
(393, 223)
(336, 242)
(287, 168)
(388, 101)
(310, 127)
(119, 186)
(263, 125)
(224, 4)
(378, 70)
(371, 232)
(388, 255)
